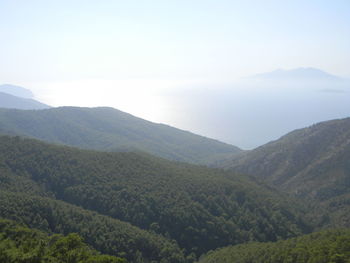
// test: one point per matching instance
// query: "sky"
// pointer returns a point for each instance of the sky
(133, 54)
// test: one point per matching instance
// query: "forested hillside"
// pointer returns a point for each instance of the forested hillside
(105, 234)
(22, 245)
(200, 208)
(330, 246)
(87, 181)
(311, 163)
(109, 129)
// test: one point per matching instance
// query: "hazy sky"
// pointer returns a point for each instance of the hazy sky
(128, 54)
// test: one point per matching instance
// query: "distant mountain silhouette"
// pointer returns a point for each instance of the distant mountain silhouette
(297, 74)
(13, 102)
(16, 91)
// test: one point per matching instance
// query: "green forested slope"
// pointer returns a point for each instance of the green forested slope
(200, 208)
(330, 246)
(105, 234)
(301, 159)
(311, 163)
(111, 130)
(19, 244)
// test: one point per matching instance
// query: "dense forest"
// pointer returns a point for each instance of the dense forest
(330, 246)
(144, 209)
(174, 131)
(105, 234)
(198, 208)
(109, 129)
(311, 163)
(23, 245)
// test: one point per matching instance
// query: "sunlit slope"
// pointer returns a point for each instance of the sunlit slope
(112, 130)
(21, 244)
(105, 234)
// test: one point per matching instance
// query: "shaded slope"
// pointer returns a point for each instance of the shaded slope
(321, 247)
(200, 208)
(12, 102)
(112, 130)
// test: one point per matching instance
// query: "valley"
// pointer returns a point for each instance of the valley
(174, 131)
(139, 207)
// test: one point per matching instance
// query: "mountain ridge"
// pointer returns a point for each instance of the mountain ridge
(16, 91)
(108, 129)
(311, 163)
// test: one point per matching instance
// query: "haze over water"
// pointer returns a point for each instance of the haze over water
(183, 63)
